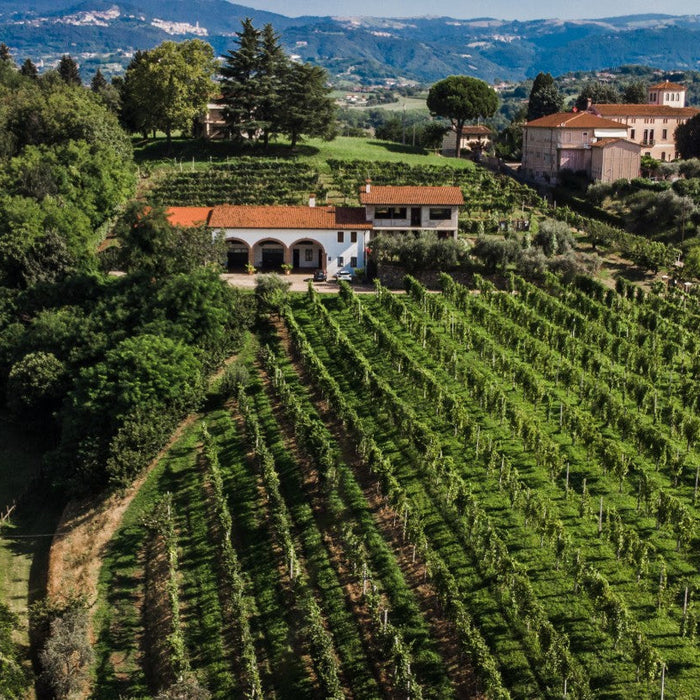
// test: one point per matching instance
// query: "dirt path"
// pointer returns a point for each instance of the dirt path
(460, 673)
(84, 531)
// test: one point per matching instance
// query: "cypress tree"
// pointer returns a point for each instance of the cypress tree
(68, 70)
(544, 97)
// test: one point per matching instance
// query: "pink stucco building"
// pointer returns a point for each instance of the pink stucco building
(607, 140)
(578, 142)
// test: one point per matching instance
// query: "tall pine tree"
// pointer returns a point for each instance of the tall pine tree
(265, 93)
(240, 84)
(68, 70)
(307, 105)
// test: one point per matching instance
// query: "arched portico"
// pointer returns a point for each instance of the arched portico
(270, 254)
(238, 254)
(307, 254)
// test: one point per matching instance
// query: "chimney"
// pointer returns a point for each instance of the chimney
(589, 102)
(312, 200)
(368, 185)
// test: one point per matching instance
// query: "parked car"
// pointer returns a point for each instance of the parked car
(343, 277)
(319, 276)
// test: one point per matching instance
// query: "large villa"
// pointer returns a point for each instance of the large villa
(333, 239)
(606, 141)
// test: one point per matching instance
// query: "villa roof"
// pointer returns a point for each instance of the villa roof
(632, 110)
(188, 216)
(574, 120)
(411, 195)
(476, 129)
(288, 217)
(605, 142)
(666, 85)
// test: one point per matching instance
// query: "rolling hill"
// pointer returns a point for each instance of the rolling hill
(100, 32)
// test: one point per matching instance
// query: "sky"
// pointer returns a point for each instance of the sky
(500, 9)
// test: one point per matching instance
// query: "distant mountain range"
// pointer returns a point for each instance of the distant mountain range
(100, 32)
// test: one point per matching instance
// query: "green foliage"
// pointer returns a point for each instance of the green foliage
(688, 138)
(461, 98)
(597, 93)
(35, 386)
(271, 291)
(150, 244)
(544, 97)
(244, 180)
(266, 93)
(14, 680)
(422, 252)
(635, 93)
(68, 71)
(167, 87)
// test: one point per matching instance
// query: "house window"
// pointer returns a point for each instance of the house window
(663, 155)
(440, 213)
(353, 236)
(651, 135)
(633, 121)
(664, 134)
(341, 261)
(390, 212)
(353, 262)
(308, 254)
(632, 133)
(341, 237)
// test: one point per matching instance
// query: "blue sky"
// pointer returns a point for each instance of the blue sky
(500, 9)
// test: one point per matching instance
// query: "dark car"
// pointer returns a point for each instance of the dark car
(319, 276)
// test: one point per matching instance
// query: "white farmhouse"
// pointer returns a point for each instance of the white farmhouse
(329, 238)
(400, 209)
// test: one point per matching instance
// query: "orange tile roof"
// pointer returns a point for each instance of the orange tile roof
(412, 195)
(188, 216)
(275, 217)
(575, 120)
(666, 85)
(627, 110)
(603, 143)
(476, 129)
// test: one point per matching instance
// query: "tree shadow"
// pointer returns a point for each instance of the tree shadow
(399, 148)
(185, 149)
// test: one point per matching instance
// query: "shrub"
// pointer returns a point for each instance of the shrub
(67, 654)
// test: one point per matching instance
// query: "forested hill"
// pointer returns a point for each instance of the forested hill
(107, 32)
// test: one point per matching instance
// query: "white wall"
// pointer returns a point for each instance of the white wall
(288, 237)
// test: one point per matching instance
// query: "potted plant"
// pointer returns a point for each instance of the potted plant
(250, 269)
(287, 268)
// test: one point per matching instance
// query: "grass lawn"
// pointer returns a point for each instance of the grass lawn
(25, 541)
(187, 154)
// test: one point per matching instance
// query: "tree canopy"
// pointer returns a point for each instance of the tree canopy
(460, 99)
(265, 93)
(166, 88)
(597, 93)
(544, 97)
(688, 138)
(69, 71)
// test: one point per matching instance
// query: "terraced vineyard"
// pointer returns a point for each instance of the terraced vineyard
(242, 181)
(475, 493)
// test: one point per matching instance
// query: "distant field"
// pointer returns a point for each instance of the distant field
(410, 103)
